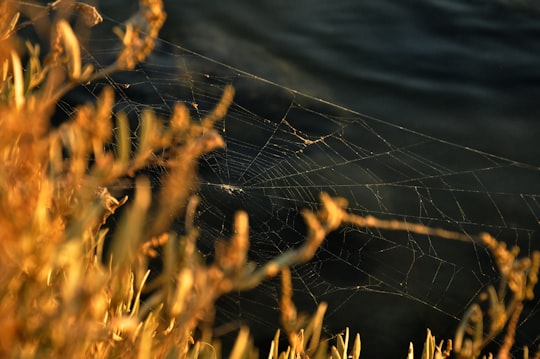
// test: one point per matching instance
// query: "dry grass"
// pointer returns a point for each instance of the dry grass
(59, 296)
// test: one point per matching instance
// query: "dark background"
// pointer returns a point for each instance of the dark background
(462, 71)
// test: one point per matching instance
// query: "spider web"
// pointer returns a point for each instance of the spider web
(284, 148)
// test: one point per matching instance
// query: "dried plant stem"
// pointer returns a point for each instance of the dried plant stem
(509, 338)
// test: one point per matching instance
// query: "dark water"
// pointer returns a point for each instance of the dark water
(460, 70)
(465, 71)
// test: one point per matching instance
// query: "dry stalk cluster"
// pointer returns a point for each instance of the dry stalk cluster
(59, 299)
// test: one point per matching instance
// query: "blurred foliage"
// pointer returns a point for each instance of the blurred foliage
(62, 296)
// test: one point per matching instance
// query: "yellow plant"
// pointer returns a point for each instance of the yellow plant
(62, 296)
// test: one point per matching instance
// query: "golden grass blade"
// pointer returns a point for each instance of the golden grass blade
(8, 30)
(335, 353)
(127, 238)
(410, 352)
(357, 347)
(343, 343)
(72, 49)
(314, 328)
(429, 346)
(241, 346)
(18, 80)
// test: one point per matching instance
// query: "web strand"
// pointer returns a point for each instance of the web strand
(285, 147)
